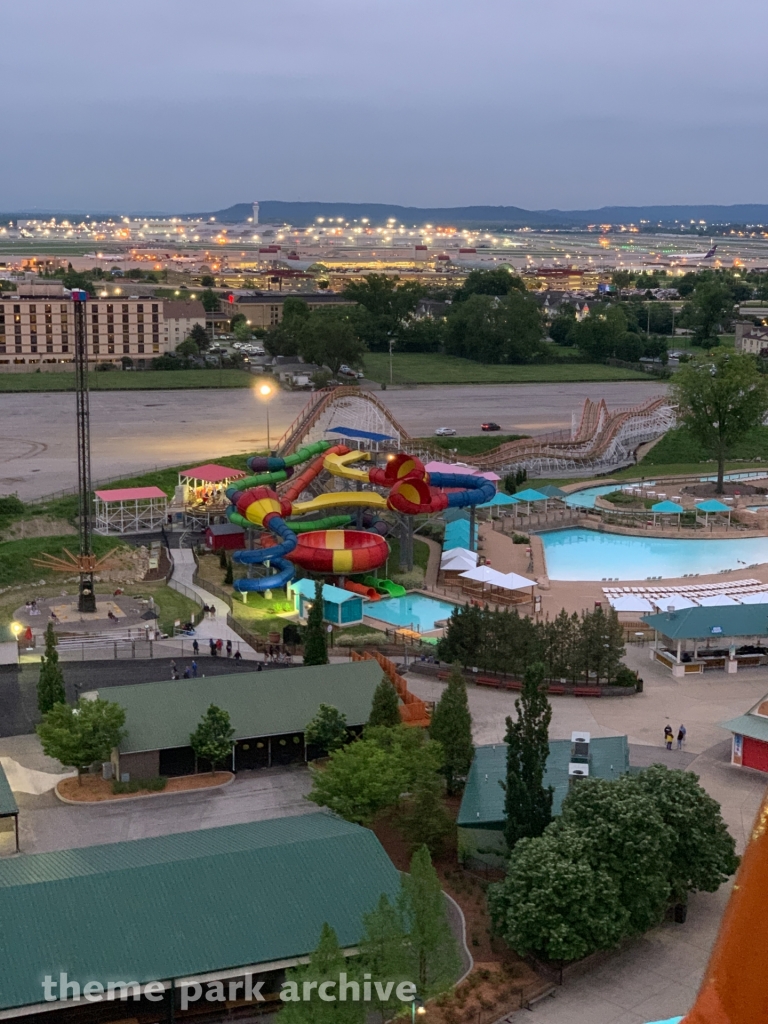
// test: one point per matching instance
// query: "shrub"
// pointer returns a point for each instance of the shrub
(625, 677)
(520, 538)
(410, 580)
(10, 505)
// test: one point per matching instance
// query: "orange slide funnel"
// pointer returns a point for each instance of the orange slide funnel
(735, 985)
(360, 588)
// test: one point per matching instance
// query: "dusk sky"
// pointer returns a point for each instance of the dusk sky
(185, 106)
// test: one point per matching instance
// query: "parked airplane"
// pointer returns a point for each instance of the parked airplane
(696, 257)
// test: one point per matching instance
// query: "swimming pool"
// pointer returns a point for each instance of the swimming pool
(586, 497)
(586, 555)
(412, 611)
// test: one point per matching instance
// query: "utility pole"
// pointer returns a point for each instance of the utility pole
(87, 598)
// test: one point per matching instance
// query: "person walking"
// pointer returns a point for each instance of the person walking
(238, 655)
(194, 670)
(229, 648)
(173, 668)
(681, 734)
(668, 736)
(187, 672)
(195, 648)
(212, 646)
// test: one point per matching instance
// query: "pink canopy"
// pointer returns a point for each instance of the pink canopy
(449, 467)
(212, 474)
(131, 494)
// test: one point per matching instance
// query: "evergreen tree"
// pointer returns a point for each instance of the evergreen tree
(222, 558)
(527, 803)
(385, 707)
(384, 954)
(434, 958)
(229, 575)
(451, 725)
(327, 730)
(50, 685)
(425, 821)
(327, 963)
(212, 739)
(315, 642)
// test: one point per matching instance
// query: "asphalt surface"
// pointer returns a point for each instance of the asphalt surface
(133, 431)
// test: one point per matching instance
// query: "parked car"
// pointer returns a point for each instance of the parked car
(347, 371)
(445, 432)
(490, 426)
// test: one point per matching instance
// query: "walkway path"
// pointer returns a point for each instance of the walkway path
(208, 628)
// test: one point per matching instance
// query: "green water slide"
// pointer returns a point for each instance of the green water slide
(385, 586)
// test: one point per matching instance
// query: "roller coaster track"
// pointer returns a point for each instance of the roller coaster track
(603, 440)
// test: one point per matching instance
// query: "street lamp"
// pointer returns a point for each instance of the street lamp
(16, 628)
(266, 391)
(417, 1007)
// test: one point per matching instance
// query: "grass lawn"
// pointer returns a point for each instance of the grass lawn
(430, 368)
(171, 605)
(15, 561)
(473, 445)
(122, 380)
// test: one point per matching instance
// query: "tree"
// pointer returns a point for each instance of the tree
(425, 821)
(384, 307)
(326, 338)
(495, 330)
(365, 777)
(433, 953)
(188, 348)
(622, 279)
(384, 953)
(229, 576)
(385, 706)
(720, 397)
(50, 685)
(242, 331)
(527, 802)
(598, 334)
(82, 734)
(709, 307)
(626, 836)
(327, 730)
(451, 726)
(703, 851)
(555, 901)
(200, 336)
(561, 328)
(315, 642)
(212, 739)
(326, 964)
(500, 281)
(210, 301)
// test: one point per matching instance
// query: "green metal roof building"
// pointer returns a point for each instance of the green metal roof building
(202, 903)
(269, 708)
(481, 815)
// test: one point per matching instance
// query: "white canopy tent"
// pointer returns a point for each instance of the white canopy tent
(714, 600)
(458, 559)
(675, 602)
(761, 597)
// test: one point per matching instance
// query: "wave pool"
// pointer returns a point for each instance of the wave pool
(580, 554)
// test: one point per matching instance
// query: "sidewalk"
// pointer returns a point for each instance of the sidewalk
(208, 628)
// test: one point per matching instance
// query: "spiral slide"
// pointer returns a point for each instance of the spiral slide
(320, 546)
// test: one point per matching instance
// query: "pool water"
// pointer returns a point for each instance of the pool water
(585, 555)
(585, 498)
(412, 611)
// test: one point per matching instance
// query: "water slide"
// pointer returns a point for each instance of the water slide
(319, 545)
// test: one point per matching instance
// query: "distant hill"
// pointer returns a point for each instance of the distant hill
(302, 214)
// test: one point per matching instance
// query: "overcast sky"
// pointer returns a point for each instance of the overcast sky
(185, 105)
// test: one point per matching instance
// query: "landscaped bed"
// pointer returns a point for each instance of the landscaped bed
(94, 789)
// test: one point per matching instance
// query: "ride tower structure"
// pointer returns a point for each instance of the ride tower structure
(86, 562)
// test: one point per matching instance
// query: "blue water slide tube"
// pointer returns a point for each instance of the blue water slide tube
(275, 557)
(476, 490)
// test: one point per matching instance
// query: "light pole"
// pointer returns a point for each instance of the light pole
(265, 391)
(417, 1007)
(391, 346)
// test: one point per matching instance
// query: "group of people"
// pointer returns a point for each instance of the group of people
(190, 671)
(31, 607)
(209, 611)
(669, 736)
(216, 647)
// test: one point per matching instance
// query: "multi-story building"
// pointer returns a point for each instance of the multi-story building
(38, 331)
(180, 317)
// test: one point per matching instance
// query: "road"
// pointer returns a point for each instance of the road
(132, 431)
